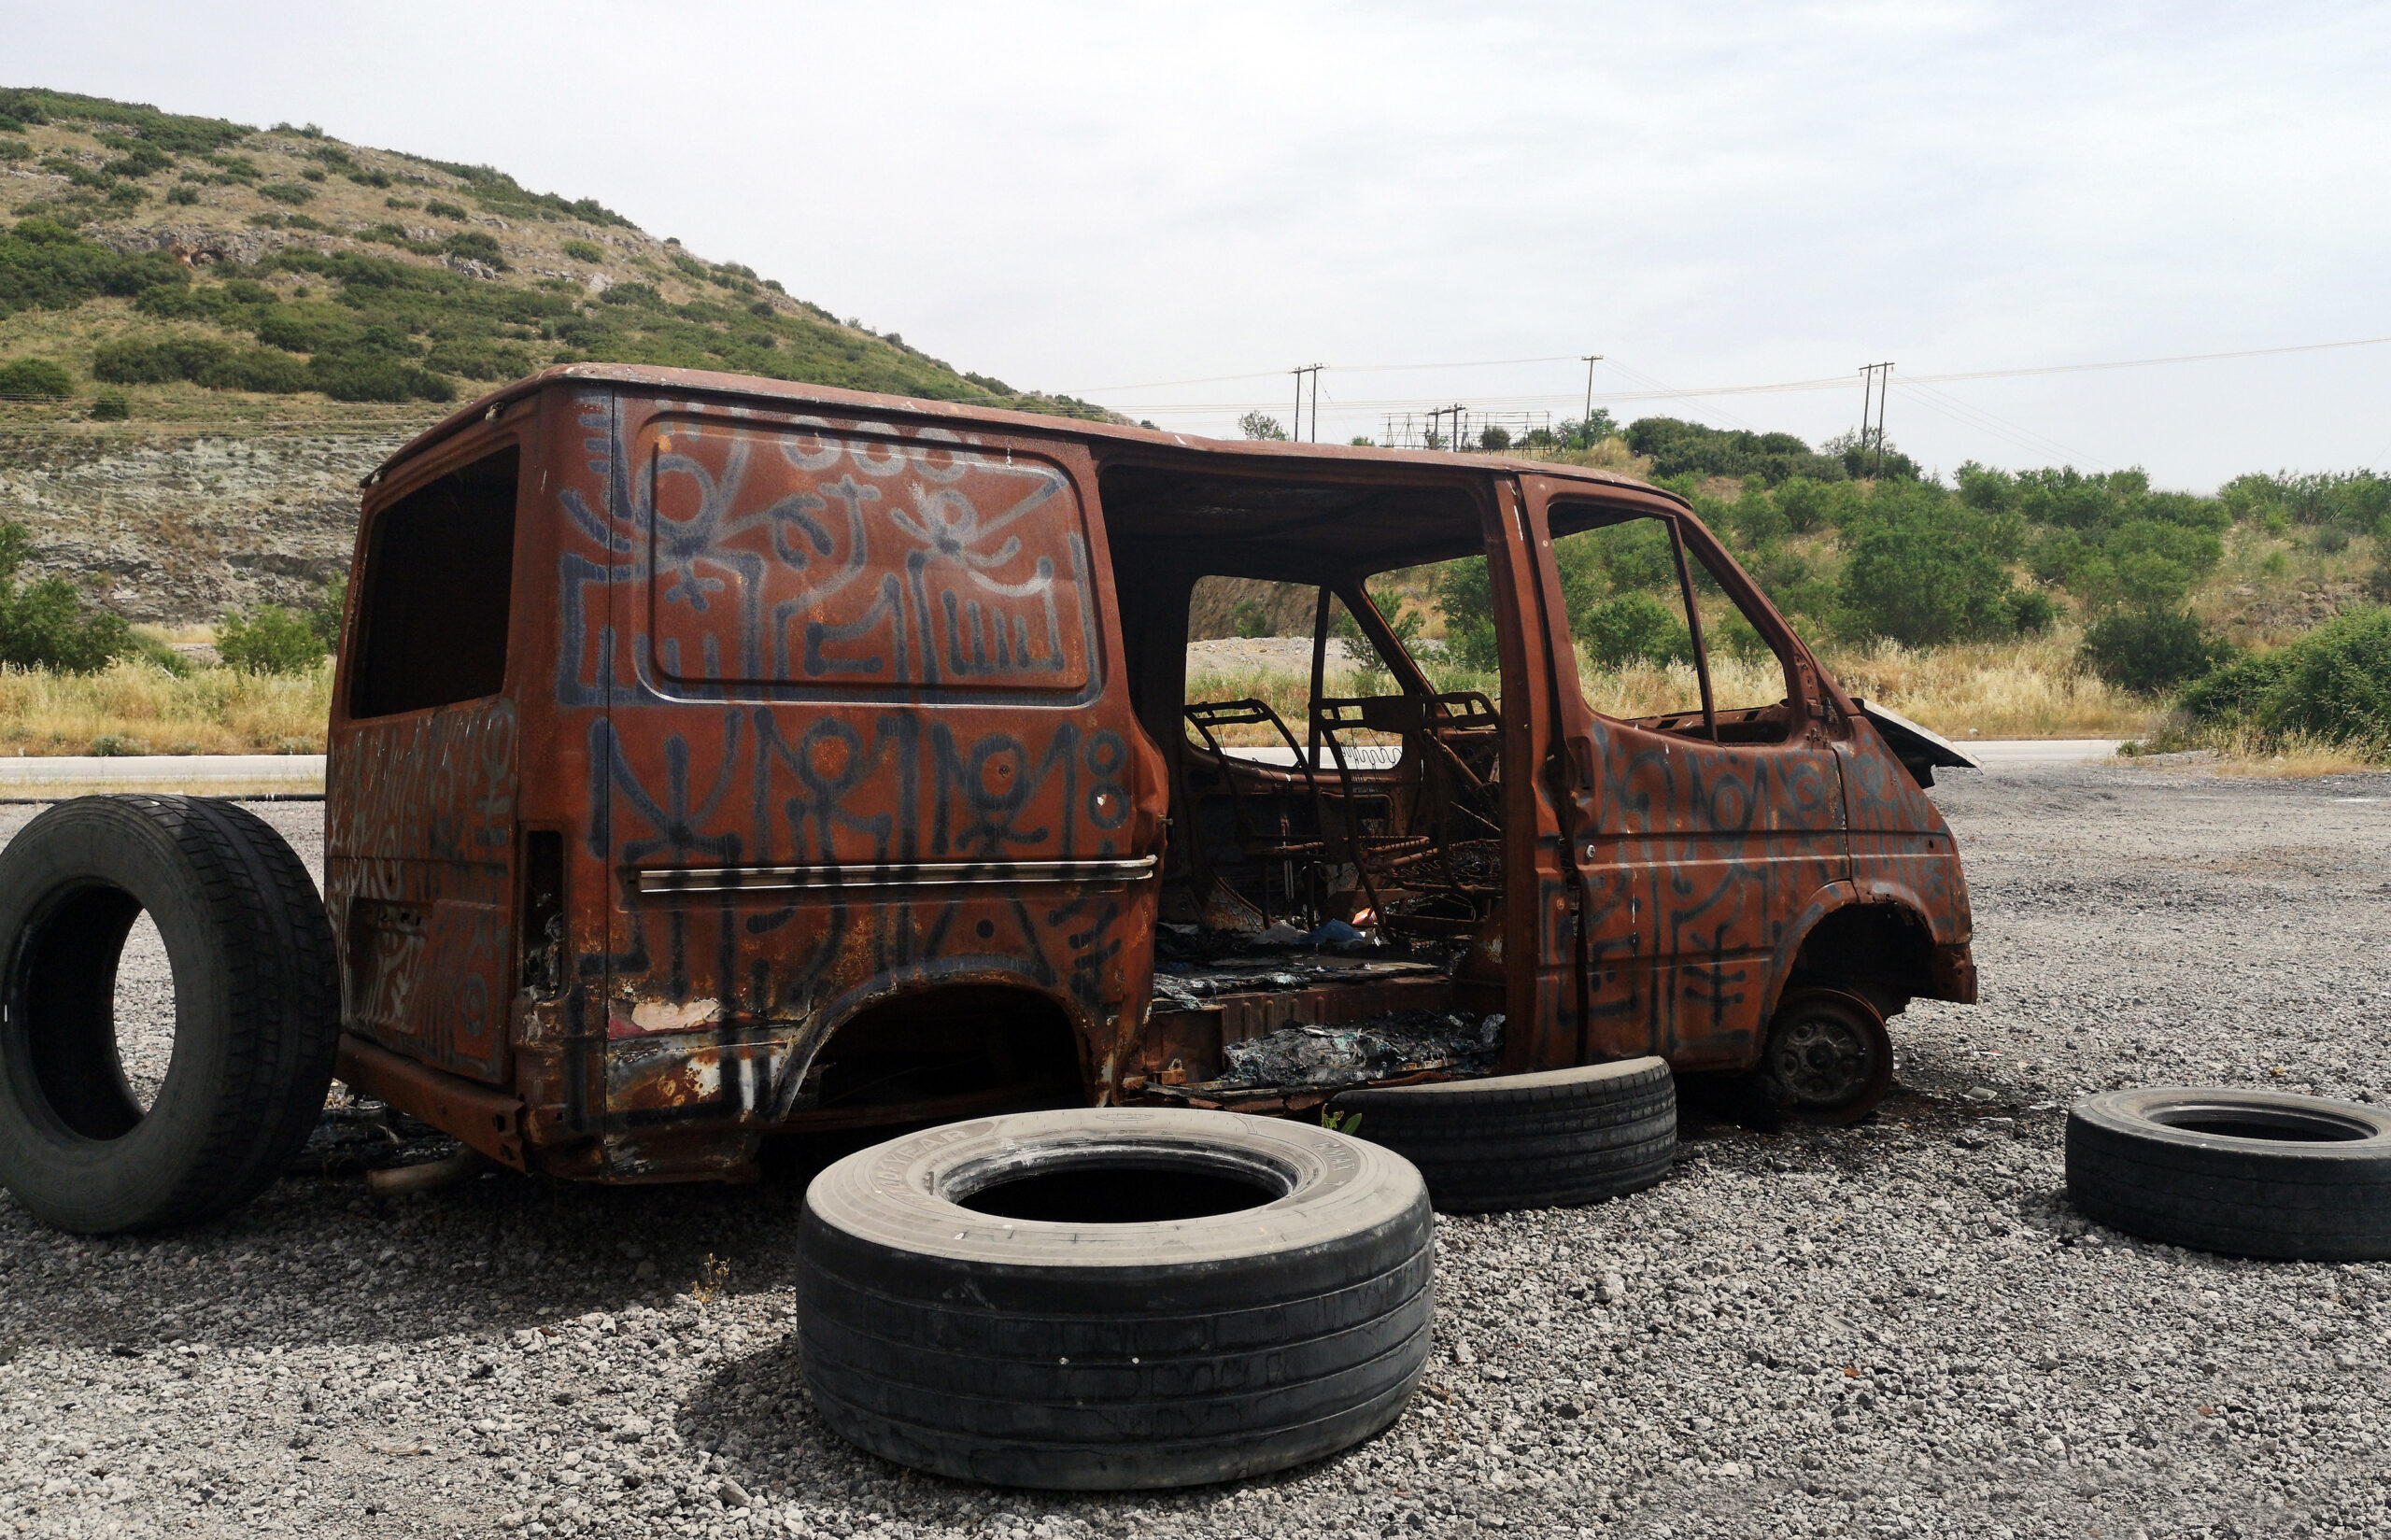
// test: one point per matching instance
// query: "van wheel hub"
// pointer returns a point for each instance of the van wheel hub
(1828, 1056)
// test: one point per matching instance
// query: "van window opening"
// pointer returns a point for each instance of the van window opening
(439, 574)
(1644, 655)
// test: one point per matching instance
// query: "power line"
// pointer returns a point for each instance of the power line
(1349, 367)
(1833, 382)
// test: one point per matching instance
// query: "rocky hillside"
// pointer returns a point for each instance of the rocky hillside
(209, 331)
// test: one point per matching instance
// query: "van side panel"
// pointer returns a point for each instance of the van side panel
(852, 727)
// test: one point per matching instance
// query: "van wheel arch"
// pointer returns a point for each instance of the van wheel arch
(1881, 950)
(944, 1037)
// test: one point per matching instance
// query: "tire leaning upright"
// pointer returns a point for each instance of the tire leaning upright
(257, 1010)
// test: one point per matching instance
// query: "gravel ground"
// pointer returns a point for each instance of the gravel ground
(1898, 1328)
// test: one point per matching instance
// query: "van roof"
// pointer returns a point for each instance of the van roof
(701, 382)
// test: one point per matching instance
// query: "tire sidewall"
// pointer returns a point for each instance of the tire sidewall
(72, 1181)
(2120, 1120)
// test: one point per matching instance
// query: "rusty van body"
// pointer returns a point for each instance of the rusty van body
(715, 757)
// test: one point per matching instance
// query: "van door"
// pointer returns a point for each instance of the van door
(1705, 802)
(420, 835)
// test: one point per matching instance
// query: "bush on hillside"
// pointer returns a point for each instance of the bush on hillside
(269, 640)
(2334, 684)
(1679, 447)
(583, 251)
(377, 379)
(1923, 573)
(1464, 592)
(33, 378)
(2149, 651)
(328, 616)
(1633, 627)
(46, 266)
(442, 208)
(2356, 501)
(45, 625)
(202, 359)
(2337, 683)
(111, 406)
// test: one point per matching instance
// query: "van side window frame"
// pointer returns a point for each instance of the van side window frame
(368, 693)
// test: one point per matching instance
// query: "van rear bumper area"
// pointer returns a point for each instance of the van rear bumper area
(490, 1121)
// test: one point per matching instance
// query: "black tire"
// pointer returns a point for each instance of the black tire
(2246, 1173)
(257, 1010)
(1115, 1352)
(1546, 1141)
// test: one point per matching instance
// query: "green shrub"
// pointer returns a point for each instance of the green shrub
(584, 251)
(444, 209)
(136, 362)
(33, 378)
(45, 625)
(632, 294)
(45, 265)
(1633, 628)
(111, 406)
(182, 193)
(258, 369)
(377, 379)
(161, 655)
(269, 640)
(2032, 611)
(1678, 449)
(1464, 592)
(117, 745)
(1926, 574)
(478, 245)
(15, 149)
(288, 192)
(2232, 692)
(138, 160)
(2336, 684)
(325, 616)
(2152, 650)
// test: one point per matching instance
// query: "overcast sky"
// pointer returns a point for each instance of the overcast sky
(1088, 198)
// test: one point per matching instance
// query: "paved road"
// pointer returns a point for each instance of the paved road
(197, 769)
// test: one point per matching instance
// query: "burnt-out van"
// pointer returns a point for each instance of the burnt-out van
(715, 757)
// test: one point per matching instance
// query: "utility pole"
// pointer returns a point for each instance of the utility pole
(1590, 359)
(1297, 425)
(1876, 384)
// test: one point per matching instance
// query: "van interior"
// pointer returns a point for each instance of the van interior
(1373, 797)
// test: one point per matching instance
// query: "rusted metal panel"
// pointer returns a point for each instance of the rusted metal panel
(490, 1121)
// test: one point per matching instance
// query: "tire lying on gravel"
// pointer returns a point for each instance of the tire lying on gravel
(2247, 1173)
(1114, 1297)
(257, 1010)
(1545, 1140)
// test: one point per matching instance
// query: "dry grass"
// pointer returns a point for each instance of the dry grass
(2021, 689)
(2246, 751)
(2027, 688)
(148, 710)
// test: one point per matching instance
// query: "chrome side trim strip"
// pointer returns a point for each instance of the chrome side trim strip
(850, 878)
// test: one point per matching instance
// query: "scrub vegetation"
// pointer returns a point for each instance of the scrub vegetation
(2046, 602)
(205, 258)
